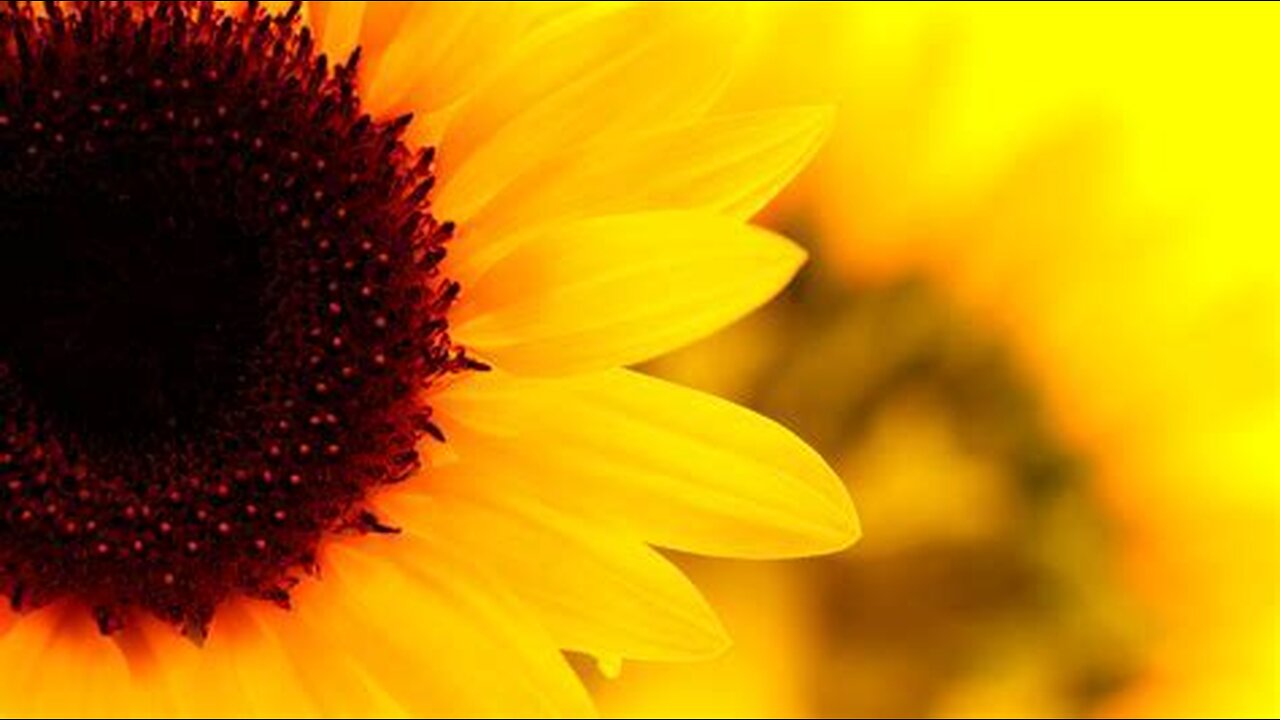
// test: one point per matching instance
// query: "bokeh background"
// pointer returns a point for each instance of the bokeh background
(1038, 338)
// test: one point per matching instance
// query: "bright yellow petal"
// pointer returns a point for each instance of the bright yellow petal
(681, 468)
(333, 678)
(439, 53)
(249, 652)
(619, 290)
(599, 75)
(308, 673)
(731, 165)
(224, 677)
(594, 590)
(438, 637)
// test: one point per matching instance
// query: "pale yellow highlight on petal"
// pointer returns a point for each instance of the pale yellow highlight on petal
(593, 76)
(682, 469)
(618, 290)
(438, 637)
(595, 590)
(731, 165)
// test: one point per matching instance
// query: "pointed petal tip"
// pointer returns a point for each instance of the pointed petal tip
(710, 641)
(846, 528)
(833, 525)
(794, 255)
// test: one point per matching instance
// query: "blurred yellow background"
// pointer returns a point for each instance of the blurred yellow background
(1039, 338)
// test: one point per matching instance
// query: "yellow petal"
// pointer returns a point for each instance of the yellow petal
(225, 677)
(249, 652)
(438, 637)
(595, 590)
(731, 165)
(57, 664)
(337, 27)
(258, 661)
(598, 75)
(682, 469)
(334, 680)
(440, 52)
(380, 24)
(619, 290)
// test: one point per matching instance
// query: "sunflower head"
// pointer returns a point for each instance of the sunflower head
(312, 328)
(221, 306)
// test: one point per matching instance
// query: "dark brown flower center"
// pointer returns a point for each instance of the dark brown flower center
(219, 306)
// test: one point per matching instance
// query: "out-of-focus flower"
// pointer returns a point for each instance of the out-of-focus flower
(1093, 186)
(1128, 253)
(279, 340)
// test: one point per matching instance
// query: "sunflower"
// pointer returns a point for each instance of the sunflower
(315, 321)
